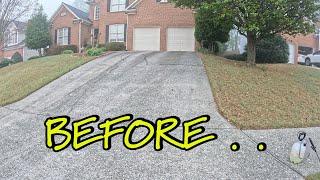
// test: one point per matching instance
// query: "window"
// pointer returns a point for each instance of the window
(63, 36)
(12, 37)
(63, 14)
(305, 50)
(116, 33)
(117, 5)
(316, 53)
(96, 12)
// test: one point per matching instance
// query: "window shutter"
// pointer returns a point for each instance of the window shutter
(108, 5)
(125, 32)
(69, 36)
(107, 34)
(56, 36)
(127, 3)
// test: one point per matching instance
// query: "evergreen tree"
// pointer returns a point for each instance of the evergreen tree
(37, 34)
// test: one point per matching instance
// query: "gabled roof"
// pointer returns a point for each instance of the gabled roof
(79, 14)
(20, 25)
(132, 6)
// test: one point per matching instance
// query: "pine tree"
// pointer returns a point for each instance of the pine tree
(37, 34)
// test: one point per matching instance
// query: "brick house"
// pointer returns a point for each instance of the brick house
(141, 24)
(302, 45)
(70, 26)
(14, 42)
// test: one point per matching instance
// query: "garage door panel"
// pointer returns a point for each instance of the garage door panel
(180, 39)
(147, 39)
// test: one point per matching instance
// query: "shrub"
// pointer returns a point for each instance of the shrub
(101, 45)
(67, 52)
(16, 58)
(34, 57)
(4, 62)
(236, 57)
(95, 51)
(211, 29)
(88, 47)
(272, 50)
(55, 50)
(116, 46)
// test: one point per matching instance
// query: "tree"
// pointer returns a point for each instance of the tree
(210, 28)
(11, 10)
(259, 19)
(37, 34)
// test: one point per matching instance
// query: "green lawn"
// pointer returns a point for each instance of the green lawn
(20, 80)
(314, 177)
(266, 96)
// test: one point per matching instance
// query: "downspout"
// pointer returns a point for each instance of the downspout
(318, 39)
(127, 32)
(80, 28)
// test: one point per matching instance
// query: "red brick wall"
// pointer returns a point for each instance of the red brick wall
(309, 40)
(65, 21)
(9, 53)
(163, 15)
(106, 18)
(86, 34)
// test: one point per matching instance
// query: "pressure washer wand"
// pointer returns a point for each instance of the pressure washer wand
(314, 148)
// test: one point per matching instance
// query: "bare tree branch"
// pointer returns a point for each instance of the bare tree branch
(12, 10)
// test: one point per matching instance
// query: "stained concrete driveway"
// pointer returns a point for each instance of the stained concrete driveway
(148, 85)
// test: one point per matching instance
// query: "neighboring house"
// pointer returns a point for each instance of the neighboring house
(14, 42)
(141, 24)
(302, 45)
(298, 45)
(70, 26)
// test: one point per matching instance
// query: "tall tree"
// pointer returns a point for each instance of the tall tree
(210, 28)
(11, 10)
(38, 34)
(260, 19)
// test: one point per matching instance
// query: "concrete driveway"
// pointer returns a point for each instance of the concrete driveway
(149, 85)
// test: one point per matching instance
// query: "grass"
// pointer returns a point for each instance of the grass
(20, 80)
(266, 96)
(314, 177)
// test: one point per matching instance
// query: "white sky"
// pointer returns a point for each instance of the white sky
(50, 6)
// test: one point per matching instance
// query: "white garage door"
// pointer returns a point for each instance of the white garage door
(146, 39)
(180, 39)
(291, 53)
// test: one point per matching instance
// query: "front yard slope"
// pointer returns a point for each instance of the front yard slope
(19, 80)
(266, 96)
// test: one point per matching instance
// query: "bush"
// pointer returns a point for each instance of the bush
(272, 50)
(56, 50)
(4, 62)
(101, 45)
(88, 47)
(67, 52)
(16, 58)
(116, 46)
(95, 51)
(211, 28)
(269, 51)
(236, 57)
(34, 57)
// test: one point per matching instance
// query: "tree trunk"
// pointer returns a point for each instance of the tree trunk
(251, 52)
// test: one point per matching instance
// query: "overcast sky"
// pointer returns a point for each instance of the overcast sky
(50, 6)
